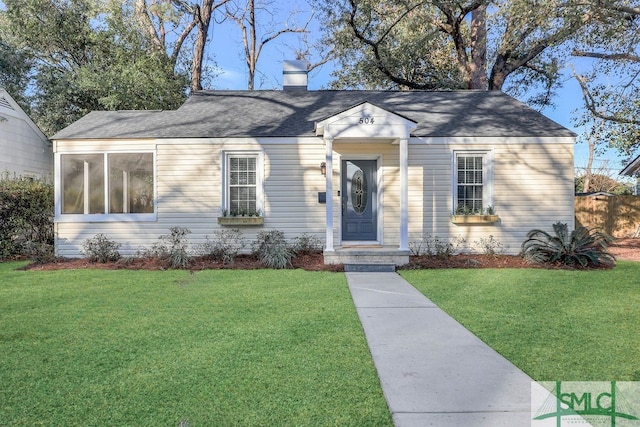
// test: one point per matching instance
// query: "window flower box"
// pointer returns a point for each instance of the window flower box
(240, 220)
(474, 219)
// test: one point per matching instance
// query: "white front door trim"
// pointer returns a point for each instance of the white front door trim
(379, 202)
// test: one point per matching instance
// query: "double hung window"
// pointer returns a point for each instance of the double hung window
(472, 182)
(243, 189)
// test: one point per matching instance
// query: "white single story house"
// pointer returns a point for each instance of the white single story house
(367, 172)
(632, 168)
(24, 150)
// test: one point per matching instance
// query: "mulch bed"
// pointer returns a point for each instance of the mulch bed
(470, 261)
(310, 262)
(622, 249)
(627, 249)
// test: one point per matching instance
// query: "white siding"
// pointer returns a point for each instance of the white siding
(291, 185)
(533, 188)
(24, 150)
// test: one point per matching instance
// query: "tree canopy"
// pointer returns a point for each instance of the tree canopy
(15, 66)
(425, 44)
(86, 55)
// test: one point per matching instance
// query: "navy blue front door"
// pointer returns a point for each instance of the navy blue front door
(359, 200)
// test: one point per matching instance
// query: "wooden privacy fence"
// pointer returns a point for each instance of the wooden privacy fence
(618, 216)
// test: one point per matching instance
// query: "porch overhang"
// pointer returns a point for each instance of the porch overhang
(366, 121)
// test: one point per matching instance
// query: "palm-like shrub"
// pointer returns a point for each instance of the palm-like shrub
(583, 246)
(272, 249)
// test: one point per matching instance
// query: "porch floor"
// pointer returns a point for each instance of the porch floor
(367, 255)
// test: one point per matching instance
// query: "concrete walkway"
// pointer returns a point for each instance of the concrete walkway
(433, 371)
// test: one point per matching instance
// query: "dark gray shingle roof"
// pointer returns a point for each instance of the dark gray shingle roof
(294, 113)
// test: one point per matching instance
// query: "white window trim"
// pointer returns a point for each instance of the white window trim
(487, 176)
(105, 217)
(259, 155)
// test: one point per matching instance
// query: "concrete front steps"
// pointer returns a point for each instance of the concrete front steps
(371, 258)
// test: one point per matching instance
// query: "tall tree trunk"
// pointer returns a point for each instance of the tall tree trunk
(144, 20)
(592, 139)
(203, 17)
(479, 48)
(499, 73)
(251, 49)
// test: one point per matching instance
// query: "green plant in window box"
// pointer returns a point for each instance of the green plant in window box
(241, 217)
(466, 210)
(467, 215)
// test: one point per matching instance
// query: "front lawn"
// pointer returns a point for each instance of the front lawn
(553, 324)
(140, 348)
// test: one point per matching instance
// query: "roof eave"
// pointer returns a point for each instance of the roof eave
(632, 167)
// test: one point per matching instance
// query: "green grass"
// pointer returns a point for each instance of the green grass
(226, 348)
(554, 325)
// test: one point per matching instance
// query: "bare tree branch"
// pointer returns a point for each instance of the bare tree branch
(619, 8)
(591, 104)
(246, 20)
(304, 54)
(158, 35)
(608, 56)
(328, 57)
(177, 45)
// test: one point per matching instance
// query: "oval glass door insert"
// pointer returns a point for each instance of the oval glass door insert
(359, 191)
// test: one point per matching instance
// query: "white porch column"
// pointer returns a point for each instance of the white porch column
(328, 142)
(404, 194)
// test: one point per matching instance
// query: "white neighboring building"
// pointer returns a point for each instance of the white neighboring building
(24, 149)
(632, 170)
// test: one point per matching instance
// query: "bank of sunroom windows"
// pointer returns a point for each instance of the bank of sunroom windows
(107, 183)
(473, 182)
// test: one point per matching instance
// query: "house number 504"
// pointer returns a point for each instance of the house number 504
(366, 120)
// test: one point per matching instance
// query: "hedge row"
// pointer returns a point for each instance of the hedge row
(26, 218)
